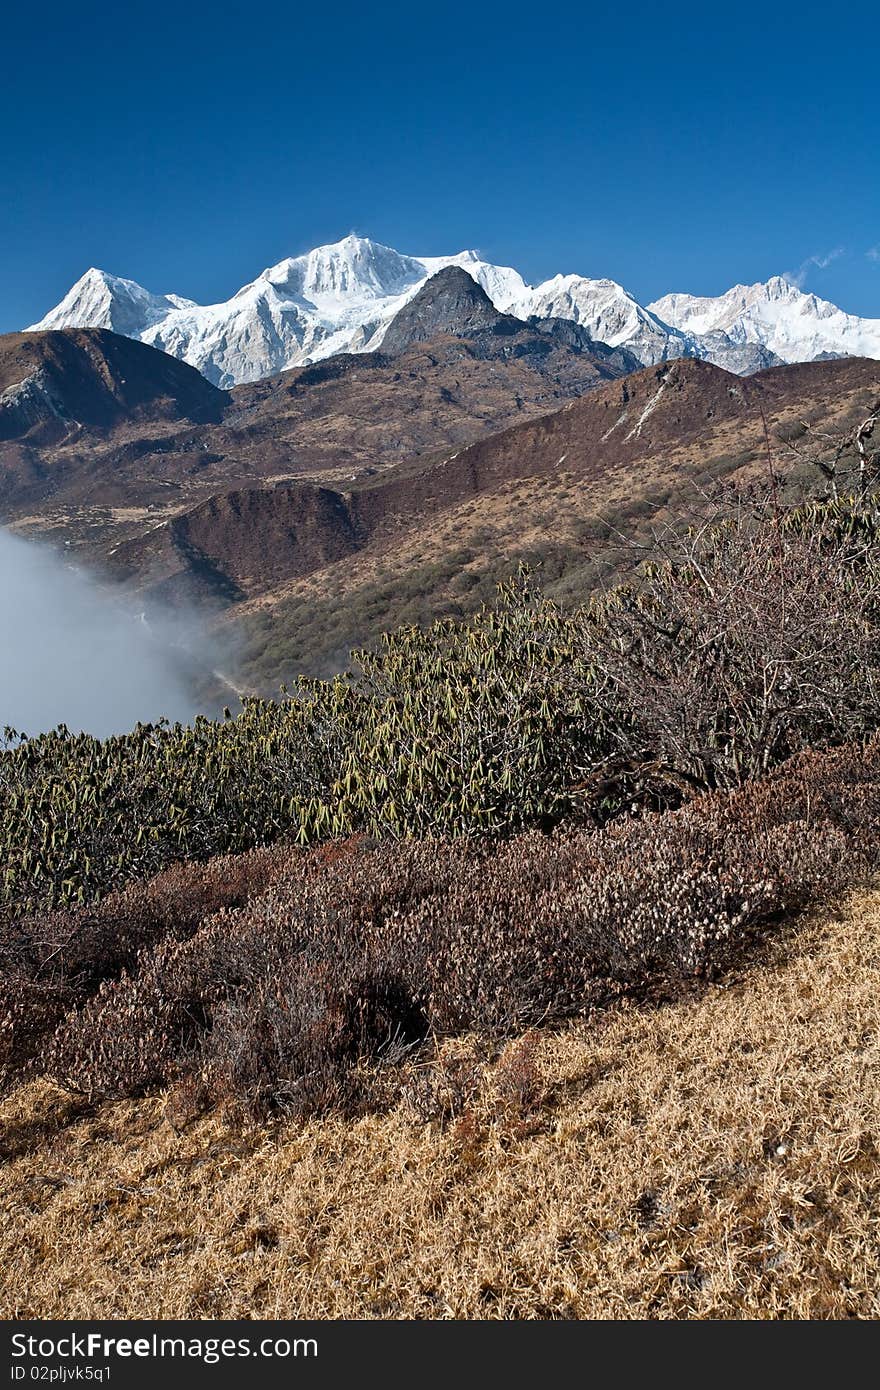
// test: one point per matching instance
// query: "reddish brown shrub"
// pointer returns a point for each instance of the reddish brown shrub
(349, 960)
(52, 962)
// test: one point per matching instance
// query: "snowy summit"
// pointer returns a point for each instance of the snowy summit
(342, 297)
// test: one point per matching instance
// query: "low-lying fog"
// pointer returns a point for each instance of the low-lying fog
(72, 653)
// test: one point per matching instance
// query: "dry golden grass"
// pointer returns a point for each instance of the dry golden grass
(714, 1157)
(529, 516)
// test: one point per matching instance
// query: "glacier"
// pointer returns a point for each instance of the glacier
(342, 297)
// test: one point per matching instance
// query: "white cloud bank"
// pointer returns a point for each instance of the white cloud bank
(71, 653)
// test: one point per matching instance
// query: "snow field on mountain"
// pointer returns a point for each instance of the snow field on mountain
(342, 297)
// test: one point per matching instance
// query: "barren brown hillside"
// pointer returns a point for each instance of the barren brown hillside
(657, 429)
(84, 455)
(54, 385)
(571, 492)
(332, 502)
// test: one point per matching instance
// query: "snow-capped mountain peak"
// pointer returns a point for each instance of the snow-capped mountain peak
(99, 300)
(342, 297)
(705, 314)
(776, 314)
(352, 269)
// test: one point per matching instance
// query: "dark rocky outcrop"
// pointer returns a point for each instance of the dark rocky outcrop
(450, 302)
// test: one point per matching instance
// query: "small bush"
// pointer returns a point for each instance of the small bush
(51, 962)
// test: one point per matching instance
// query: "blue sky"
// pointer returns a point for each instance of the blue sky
(670, 147)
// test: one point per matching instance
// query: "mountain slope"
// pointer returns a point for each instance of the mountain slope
(321, 506)
(342, 297)
(570, 490)
(608, 313)
(160, 436)
(240, 543)
(450, 302)
(50, 382)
